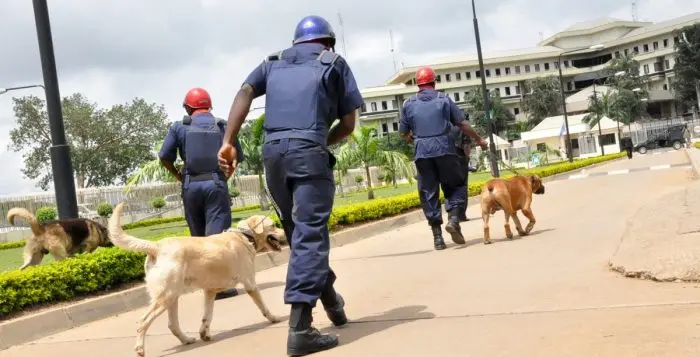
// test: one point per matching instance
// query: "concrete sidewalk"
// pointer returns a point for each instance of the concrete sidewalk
(549, 294)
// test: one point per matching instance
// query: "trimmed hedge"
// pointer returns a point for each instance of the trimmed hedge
(109, 267)
(697, 144)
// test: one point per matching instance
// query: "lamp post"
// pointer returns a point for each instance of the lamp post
(489, 124)
(569, 153)
(5, 90)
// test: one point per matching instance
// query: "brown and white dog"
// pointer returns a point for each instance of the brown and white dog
(178, 265)
(510, 195)
(62, 238)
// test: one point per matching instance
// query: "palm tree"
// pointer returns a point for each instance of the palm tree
(152, 171)
(364, 148)
(252, 145)
(603, 106)
(343, 163)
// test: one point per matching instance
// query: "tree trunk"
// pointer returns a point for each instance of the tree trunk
(340, 183)
(80, 181)
(263, 197)
(370, 192)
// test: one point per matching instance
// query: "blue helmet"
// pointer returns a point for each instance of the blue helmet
(313, 28)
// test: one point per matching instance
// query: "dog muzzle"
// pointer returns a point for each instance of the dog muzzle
(540, 191)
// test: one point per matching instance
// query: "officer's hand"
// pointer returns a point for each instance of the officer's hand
(484, 145)
(228, 159)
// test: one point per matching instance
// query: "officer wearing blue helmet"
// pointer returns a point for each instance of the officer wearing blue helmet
(427, 118)
(307, 86)
(204, 189)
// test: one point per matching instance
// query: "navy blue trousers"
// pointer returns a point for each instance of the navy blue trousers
(207, 207)
(440, 172)
(299, 176)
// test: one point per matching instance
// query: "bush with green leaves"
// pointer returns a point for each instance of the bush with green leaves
(158, 202)
(45, 214)
(359, 178)
(104, 209)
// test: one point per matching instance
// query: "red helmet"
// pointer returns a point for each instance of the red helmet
(425, 75)
(197, 98)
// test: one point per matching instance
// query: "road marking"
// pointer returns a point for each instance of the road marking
(579, 176)
(627, 171)
(619, 172)
(660, 167)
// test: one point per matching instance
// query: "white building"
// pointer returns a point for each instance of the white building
(653, 44)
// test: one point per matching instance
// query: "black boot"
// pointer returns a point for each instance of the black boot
(437, 238)
(303, 338)
(226, 294)
(454, 229)
(334, 304)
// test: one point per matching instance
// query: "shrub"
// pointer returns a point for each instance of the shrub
(359, 178)
(234, 192)
(697, 144)
(104, 209)
(158, 202)
(47, 213)
(110, 267)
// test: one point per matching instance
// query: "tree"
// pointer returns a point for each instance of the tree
(687, 67)
(363, 148)
(252, 144)
(629, 88)
(152, 171)
(500, 114)
(106, 145)
(597, 109)
(541, 98)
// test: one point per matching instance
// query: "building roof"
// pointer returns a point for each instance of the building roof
(551, 127)
(499, 141)
(592, 24)
(672, 23)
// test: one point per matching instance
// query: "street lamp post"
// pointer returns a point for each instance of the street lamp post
(5, 90)
(569, 152)
(61, 165)
(489, 124)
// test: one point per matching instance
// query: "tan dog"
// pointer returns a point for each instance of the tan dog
(62, 238)
(178, 265)
(510, 195)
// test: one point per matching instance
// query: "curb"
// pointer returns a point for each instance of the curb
(694, 158)
(23, 329)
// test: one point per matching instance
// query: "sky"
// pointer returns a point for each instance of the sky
(115, 50)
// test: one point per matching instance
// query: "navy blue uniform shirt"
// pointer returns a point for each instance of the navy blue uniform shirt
(438, 145)
(175, 139)
(349, 97)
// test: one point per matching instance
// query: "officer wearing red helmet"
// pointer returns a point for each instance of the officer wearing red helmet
(204, 190)
(307, 87)
(427, 119)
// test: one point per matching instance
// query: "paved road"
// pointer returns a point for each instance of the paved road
(549, 294)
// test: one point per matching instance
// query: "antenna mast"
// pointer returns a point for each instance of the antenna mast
(391, 43)
(342, 36)
(634, 10)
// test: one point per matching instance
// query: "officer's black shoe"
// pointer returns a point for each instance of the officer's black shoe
(452, 227)
(303, 339)
(226, 294)
(438, 242)
(463, 218)
(336, 313)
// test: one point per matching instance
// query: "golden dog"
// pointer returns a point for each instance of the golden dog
(510, 195)
(62, 238)
(178, 265)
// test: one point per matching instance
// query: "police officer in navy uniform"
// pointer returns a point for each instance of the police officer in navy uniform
(307, 86)
(204, 190)
(426, 119)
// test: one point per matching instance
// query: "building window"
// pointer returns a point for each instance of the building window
(527, 68)
(395, 126)
(477, 74)
(665, 42)
(537, 67)
(542, 147)
(617, 54)
(556, 64)
(498, 91)
(458, 76)
(517, 69)
(546, 66)
(675, 40)
(448, 77)
(646, 48)
(667, 64)
(635, 49)
(466, 95)
(627, 52)
(469, 75)
(507, 71)
(658, 67)
(665, 86)
(646, 69)
(517, 89)
(507, 90)
(363, 109)
(456, 97)
(488, 72)
(498, 71)
(385, 106)
(373, 105)
(569, 86)
(566, 63)
(385, 128)
(394, 104)
(516, 110)
(438, 79)
(607, 139)
(656, 45)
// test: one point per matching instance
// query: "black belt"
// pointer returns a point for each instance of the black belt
(204, 177)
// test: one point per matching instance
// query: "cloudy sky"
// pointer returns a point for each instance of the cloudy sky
(113, 50)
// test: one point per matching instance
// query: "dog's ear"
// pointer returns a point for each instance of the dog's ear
(258, 225)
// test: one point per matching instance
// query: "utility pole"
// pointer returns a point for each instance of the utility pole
(342, 36)
(61, 165)
(489, 123)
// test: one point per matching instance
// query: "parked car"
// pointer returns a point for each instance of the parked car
(672, 137)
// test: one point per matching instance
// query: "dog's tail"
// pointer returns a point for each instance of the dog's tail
(125, 241)
(37, 229)
(490, 187)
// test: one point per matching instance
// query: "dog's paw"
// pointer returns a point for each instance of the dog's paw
(509, 235)
(487, 242)
(189, 341)
(204, 335)
(140, 352)
(273, 319)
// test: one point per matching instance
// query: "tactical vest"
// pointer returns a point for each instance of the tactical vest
(202, 145)
(299, 103)
(428, 116)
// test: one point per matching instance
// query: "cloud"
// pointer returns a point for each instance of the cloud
(114, 50)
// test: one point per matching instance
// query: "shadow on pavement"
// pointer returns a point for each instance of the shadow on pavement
(499, 240)
(370, 325)
(404, 254)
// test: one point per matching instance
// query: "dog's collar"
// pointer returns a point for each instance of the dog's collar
(248, 234)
